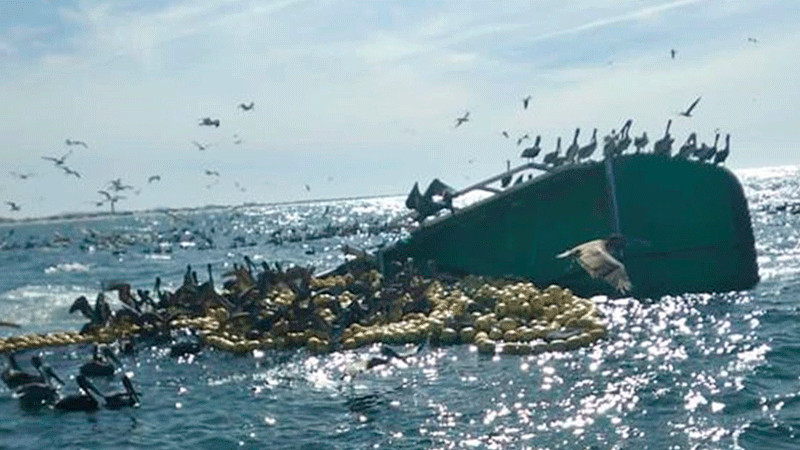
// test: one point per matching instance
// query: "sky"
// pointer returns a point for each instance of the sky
(360, 98)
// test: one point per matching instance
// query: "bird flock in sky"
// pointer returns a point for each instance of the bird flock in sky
(112, 192)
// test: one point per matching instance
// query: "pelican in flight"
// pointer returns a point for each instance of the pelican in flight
(116, 185)
(460, 120)
(14, 206)
(208, 122)
(596, 258)
(154, 178)
(688, 112)
(212, 173)
(673, 52)
(505, 134)
(58, 161)
(71, 142)
(526, 101)
(247, 107)
(522, 138)
(68, 171)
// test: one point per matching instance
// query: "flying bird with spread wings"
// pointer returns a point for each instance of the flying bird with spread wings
(209, 122)
(460, 120)
(688, 112)
(526, 101)
(68, 171)
(247, 107)
(201, 147)
(597, 259)
(14, 206)
(58, 161)
(154, 178)
(71, 142)
(21, 176)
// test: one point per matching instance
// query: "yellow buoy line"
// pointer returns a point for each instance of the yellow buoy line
(497, 316)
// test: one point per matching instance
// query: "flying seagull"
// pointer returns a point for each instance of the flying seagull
(212, 173)
(246, 107)
(71, 142)
(58, 161)
(460, 120)
(14, 206)
(526, 101)
(208, 122)
(688, 112)
(154, 178)
(595, 257)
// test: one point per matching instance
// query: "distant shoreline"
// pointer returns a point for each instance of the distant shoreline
(104, 214)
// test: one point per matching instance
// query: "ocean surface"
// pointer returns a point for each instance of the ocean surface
(700, 370)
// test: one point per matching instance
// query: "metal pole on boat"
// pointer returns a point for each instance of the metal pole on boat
(612, 191)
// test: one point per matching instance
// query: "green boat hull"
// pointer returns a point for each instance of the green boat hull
(692, 220)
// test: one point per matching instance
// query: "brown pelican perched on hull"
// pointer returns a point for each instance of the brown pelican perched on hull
(688, 148)
(532, 152)
(84, 401)
(705, 152)
(552, 158)
(722, 155)
(663, 146)
(641, 142)
(506, 180)
(596, 258)
(624, 138)
(572, 150)
(100, 365)
(587, 150)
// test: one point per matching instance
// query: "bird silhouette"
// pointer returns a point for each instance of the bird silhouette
(532, 152)
(688, 112)
(201, 147)
(587, 150)
(572, 150)
(71, 142)
(722, 155)
(247, 107)
(526, 101)
(154, 178)
(752, 40)
(13, 206)
(58, 161)
(460, 120)
(522, 138)
(211, 173)
(673, 52)
(504, 133)
(641, 142)
(208, 122)
(22, 176)
(68, 171)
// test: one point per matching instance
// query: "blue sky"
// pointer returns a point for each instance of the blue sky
(359, 98)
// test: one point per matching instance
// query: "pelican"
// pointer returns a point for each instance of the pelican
(596, 258)
(688, 148)
(68, 171)
(673, 52)
(610, 144)
(80, 402)
(572, 150)
(752, 40)
(504, 133)
(663, 146)
(688, 112)
(211, 173)
(722, 155)
(460, 120)
(506, 180)
(58, 161)
(624, 138)
(13, 376)
(154, 178)
(526, 101)
(208, 122)
(552, 157)
(587, 150)
(641, 142)
(705, 152)
(14, 206)
(532, 152)
(100, 366)
(118, 400)
(71, 142)
(247, 107)
(522, 138)
(41, 392)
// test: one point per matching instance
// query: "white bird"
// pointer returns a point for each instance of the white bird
(595, 257)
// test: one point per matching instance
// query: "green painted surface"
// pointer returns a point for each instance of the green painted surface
(694, 217)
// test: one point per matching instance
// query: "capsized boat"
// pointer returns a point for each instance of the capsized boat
(688, 222)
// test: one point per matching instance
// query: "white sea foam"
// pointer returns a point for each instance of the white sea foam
(67, 267)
